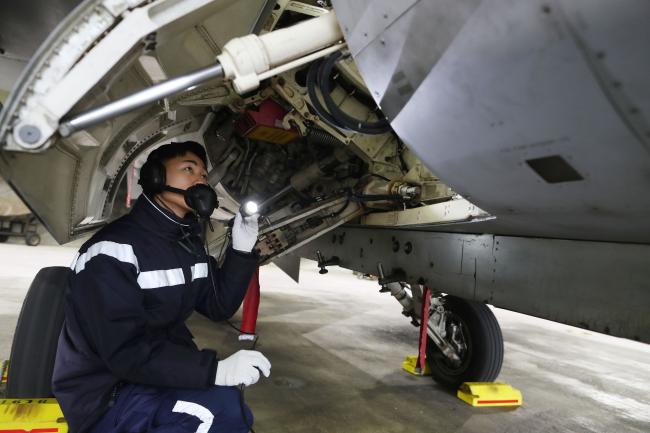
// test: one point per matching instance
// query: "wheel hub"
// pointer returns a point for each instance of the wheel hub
(446, 330)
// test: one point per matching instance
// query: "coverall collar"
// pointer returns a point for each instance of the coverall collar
(155, 217)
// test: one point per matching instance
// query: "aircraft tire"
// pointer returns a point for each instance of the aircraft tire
(482, 360)
(32, 239)
(37, 332)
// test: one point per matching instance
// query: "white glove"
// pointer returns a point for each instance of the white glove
(244, 232)
(242, 368)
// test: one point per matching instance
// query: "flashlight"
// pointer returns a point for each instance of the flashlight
(249, 208)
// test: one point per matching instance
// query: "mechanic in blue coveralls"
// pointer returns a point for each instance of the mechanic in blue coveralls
(126, 362)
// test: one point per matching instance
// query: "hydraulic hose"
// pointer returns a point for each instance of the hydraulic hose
(355, 196)
(324, 73)
(320, 111)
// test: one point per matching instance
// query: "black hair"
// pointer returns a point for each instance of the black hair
(168, 151)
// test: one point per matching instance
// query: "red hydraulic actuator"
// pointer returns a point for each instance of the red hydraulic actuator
(251, 305)
(424, 320)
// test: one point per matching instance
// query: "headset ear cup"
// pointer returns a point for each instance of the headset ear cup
(153, 177)
(160, 176)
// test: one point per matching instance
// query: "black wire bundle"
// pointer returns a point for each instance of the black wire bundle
(318, 75)
(355, 196)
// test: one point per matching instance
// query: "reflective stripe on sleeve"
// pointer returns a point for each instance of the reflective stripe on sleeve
(161, 278)
(122, 252)
(199, 270)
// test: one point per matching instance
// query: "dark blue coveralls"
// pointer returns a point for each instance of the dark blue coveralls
(125, 361)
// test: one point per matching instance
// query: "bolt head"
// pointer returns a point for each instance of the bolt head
(29, 134)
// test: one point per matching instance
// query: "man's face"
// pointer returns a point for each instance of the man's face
(182, 172)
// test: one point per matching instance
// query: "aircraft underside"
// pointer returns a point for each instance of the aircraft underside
(491, 151)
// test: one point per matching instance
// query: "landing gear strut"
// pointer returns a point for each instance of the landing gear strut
(463, 338)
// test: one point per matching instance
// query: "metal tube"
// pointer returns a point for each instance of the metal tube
(139, 99)
(275, 196)
(299, 62)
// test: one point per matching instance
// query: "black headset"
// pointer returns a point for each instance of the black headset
(153, 176)
(202, 198)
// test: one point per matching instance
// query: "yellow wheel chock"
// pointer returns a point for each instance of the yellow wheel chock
(477, 394)
(489, 394)
(410, 364)
(473, 393)
(30, 415)
(38, 415)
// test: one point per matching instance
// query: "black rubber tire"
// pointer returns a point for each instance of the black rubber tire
(37, 332)
(484, 355)
(3, 238)
(32, 239)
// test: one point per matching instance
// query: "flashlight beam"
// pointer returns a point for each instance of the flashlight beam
(275, 197)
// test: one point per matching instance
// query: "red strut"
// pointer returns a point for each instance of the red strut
(422, 352)
(251, 305)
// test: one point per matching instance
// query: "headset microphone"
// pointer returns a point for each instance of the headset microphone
(200, 197)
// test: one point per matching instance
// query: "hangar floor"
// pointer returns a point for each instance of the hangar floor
(336, 346)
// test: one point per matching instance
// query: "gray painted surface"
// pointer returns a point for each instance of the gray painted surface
(596, 285)
(59, 164)
(290, 265)
(522, 80)
(24, 25)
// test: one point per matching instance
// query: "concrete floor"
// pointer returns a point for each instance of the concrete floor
(336, 346)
